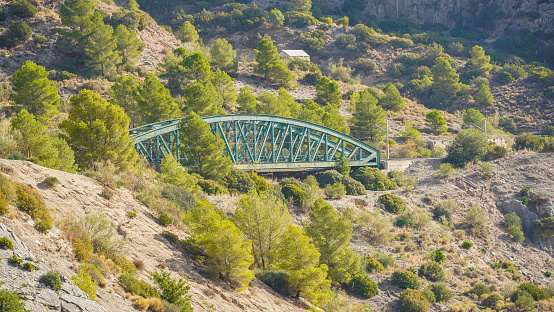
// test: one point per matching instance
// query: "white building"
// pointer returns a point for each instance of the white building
(295, 54)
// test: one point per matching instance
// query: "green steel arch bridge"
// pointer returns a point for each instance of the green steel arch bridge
(260, 142)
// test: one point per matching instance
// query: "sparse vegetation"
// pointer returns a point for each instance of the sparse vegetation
(5, 243)
(52, 280)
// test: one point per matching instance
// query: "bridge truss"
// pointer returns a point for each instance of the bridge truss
(260, 142)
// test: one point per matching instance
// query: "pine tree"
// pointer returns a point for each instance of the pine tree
(367, 116)
(128, 45)
(327, 92)
(197, 67)
(203, 148)
(302, 6)
(34, 91)
(171, 172)
(276, 18)
(223, 55)
(202, 99)
(33, 140)
(187, 33)
(446, 83)
(174, 73)
(473, 117)
(154, 101)
(332, 118)
(435, 121)
(266, 55)
(223, 85)
(246, 102)
(280, 73)
(124, 93)
(392, 100)
(264, 219)
(484, 96)
(76, 13)
(133, 5)
(331, 236)
(222, 240)
(101, 46)
(479, 63)
(98, 131)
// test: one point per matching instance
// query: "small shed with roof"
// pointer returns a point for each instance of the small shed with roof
(295, 54)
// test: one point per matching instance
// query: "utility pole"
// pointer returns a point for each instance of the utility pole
(387, 143)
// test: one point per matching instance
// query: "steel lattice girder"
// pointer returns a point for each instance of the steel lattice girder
(262, 142)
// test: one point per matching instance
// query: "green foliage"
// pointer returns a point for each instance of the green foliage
(435, 121)
(29, 266)
(479, 63)
(276, 18)
(203, 148)
(362, 285)
(328, 93)
(261, 183)
(507, 124)
(173, 291)
(432, 271)
(83, 280)
(343, 166)
(51, 182)
(334, 191)
(34, 91)
(276, 279)
(412, 300)
(469, 145)
(374, 266)
(367, 116)
(467, 244)
(211, 187)
(128, 44)
(239, 180)
(140, 288)
(223, 55)
(405, 279)
(100, 46)
(154, 102)
(5, 243)
(445, 170)
(441, 292)
(491, 300)
(31, 202)
(98, 131)
(331, 236)
(353, 187)
(484, 96)
(52, 280)
(547, 274)
(187, 33)
(22, 8)
(392, 100)
(373, 179)
(537, 292)
(480, 289)
(513, 226)
(476, 220)
(264, 219)
(329, 177)
(529, 141)
(393, 203)
(270, 65)
(438, 256)
(294, 193)
(446, 85)
(410, 133)
(17, 33)
(228, 253)
(11, 302)
(173, 173)
(165, 219)
(364, 66)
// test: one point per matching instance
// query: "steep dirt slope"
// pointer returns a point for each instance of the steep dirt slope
(76, 195)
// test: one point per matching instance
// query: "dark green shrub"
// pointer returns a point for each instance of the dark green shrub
(51, 182)
(538, 293)
(31, 202)
(17, 33)
(529, 141)
(132, 214)
(480, 289)
(52, 280)
(5, 243)
(386, 260)
(393, 203)
(374, 266)
(438, 256)
(547, 274)
(165, 219)
(261, 183)
(401, 222)
(239, 180)
(61, 75)
(374, 179)
(212, 187)
(525, 302)
(172, 238)
(441, 292)
(29, 266)
(412, 300)
(491, 300)
(135, 286)
(353, 187)
(107, 192)
(11, 302)
(2, 15)
(294, 193)
(22, 8)
(495, 152)
(16, 261)
(334, 191)
(172, 291)
(364, 66)
(43, 226)
(329, 177)
(467, 244)
(405, 279)
(277, 280)
(432, 271)
(299, 19)
(362, 285)
(311, 79)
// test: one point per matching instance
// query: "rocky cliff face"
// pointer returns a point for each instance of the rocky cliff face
(532, 15)
(38, 296)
